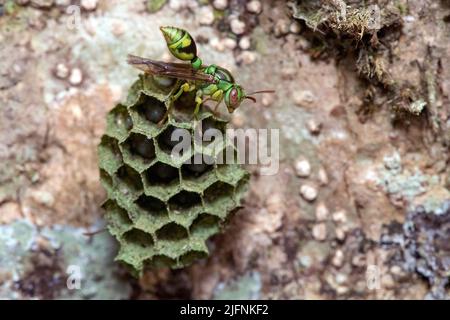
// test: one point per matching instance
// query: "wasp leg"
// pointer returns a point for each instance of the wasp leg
(217, 96)
(185, 87)
(198, 101)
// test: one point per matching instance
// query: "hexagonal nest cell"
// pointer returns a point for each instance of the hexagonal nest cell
(138, 238)
(128, 181)
(119, 122)
(160, 208)
(151, 205)
(110, 157)
(138, 151)
(166, 140)
(172, 232)
(162, 174)
(205, 226)
(184, 200)
(197, 166)
(152, 109)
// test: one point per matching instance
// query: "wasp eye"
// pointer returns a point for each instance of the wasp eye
(234, 97)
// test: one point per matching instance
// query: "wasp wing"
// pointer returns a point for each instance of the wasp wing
(169, 69)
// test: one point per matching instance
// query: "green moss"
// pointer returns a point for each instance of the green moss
(10, 7)
(162, 209)
(155, 5)
(367, 32)
(353, 21)
(402, 8)
(218, 14)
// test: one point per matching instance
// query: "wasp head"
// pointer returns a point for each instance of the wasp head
(234, 97)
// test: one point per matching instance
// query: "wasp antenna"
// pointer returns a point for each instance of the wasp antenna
(250, 98)
(263, 91)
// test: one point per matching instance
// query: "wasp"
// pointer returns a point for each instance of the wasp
(210, 82)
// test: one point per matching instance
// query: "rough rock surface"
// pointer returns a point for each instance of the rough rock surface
(372, 120)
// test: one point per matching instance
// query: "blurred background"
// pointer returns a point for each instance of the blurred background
(360, 207)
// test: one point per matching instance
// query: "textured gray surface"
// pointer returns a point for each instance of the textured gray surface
(39, 263)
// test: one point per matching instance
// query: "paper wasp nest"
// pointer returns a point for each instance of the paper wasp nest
(160, 208)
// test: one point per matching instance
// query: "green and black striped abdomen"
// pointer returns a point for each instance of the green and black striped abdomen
(180, 43)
